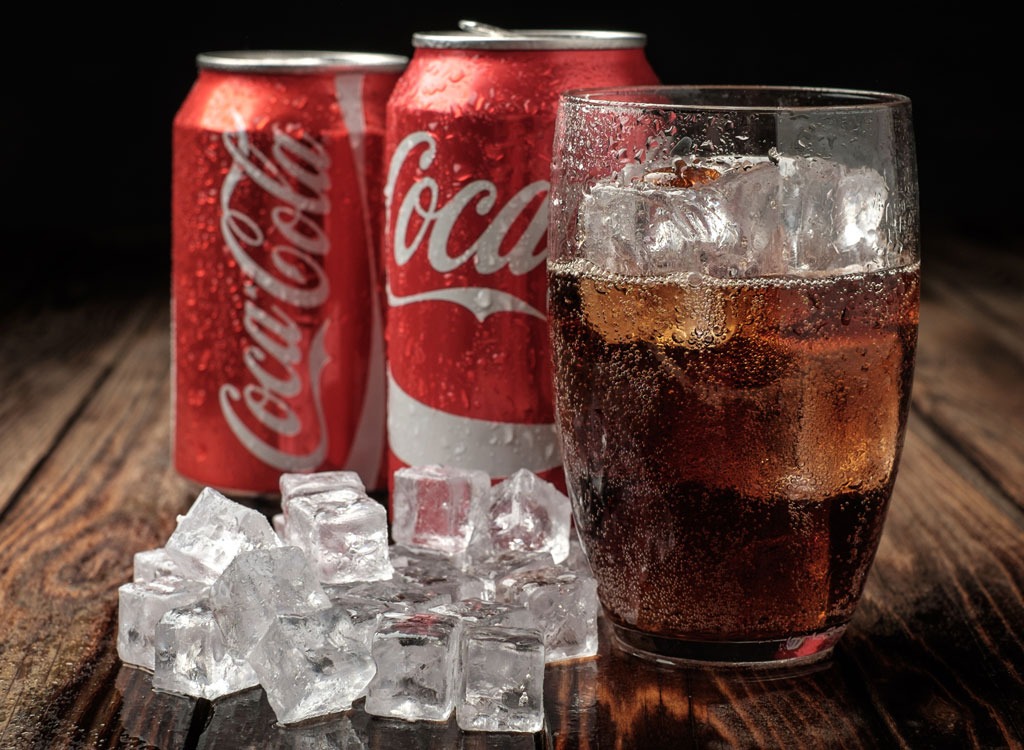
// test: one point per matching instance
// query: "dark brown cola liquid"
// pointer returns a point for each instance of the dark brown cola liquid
(730, 447)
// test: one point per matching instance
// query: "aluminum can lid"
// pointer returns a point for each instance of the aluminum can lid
(474, 35)
(299, 61)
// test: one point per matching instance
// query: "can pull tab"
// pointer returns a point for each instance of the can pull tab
(475, 27)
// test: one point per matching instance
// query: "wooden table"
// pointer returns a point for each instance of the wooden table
(934, 657)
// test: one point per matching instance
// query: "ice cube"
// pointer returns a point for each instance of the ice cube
(299, 514)
(501, 684)
(439, 574)
(764, 216)
(192, 657)
(364, 613)
(308, 668)
(398, 595)
(344, 534)
(431, 506)
(257, 586)
(140, 605)
(401, 555)
(645, 230)
(798, 215)
(522, 513)
(278, 524)
(491, 569)
(565, 604)
(416, 656)
(213, 531)
(862, 198)
(483, 612)
(297, 485)
(150, 564)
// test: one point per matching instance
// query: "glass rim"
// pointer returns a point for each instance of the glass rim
(805, 98)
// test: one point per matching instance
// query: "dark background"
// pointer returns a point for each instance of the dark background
(87, 114)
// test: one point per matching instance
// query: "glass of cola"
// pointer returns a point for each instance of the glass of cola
(733, 290)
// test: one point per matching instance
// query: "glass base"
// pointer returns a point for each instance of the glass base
(786, 652)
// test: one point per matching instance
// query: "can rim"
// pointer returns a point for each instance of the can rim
(299, 61)
(531, 39)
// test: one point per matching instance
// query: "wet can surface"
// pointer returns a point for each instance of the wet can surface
(277, 305)
(468, 151)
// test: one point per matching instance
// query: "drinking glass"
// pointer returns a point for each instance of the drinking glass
(733, 301)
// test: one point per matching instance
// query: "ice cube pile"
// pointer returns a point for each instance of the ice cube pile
(456, 607)
(756, 216)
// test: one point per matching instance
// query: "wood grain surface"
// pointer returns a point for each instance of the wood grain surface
(934, 657)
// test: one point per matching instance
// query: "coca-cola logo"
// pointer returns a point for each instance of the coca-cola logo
(422, 222)
(435, 222)
(285, 264)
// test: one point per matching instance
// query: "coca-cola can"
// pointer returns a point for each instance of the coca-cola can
(277, 295)
(470, 126)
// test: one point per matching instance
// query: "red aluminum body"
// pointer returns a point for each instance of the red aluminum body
(470, 126)
(277, 301)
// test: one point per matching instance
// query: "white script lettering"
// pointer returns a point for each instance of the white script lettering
(294, 276)
(436, 222)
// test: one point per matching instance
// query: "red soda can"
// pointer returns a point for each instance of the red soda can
(277, 299)
(470, 126)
